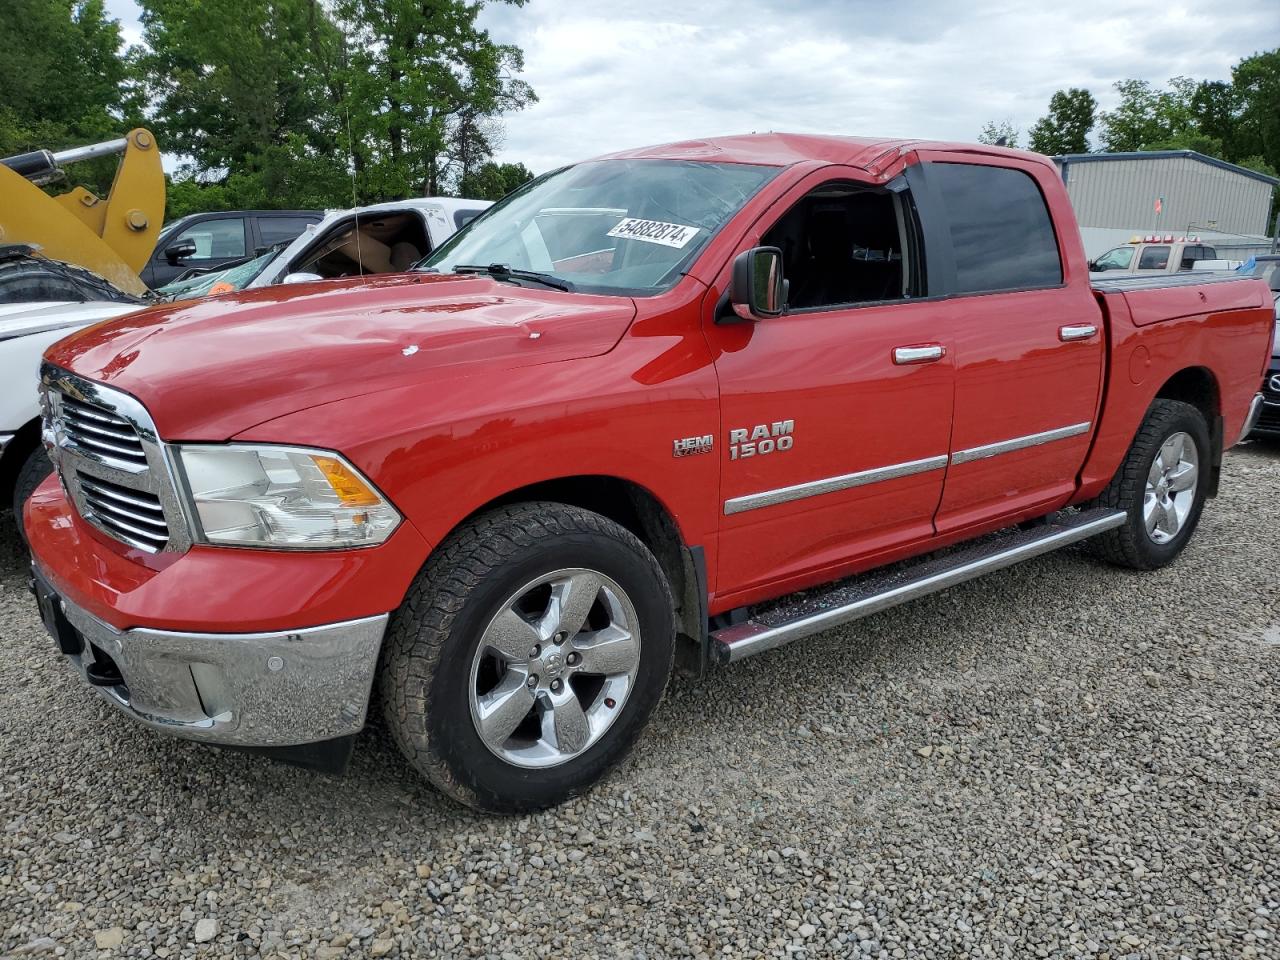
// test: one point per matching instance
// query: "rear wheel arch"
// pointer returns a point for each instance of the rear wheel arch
(1199, 387)
(1196, 386)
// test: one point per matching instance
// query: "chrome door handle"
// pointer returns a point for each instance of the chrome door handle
(922, 354)
(1081, 331)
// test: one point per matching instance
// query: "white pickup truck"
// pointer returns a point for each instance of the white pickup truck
(26, 330)
(1152, 254)
(381, 238)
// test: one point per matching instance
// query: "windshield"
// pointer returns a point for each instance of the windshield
(607, 226)
(1118, 258)
(236, 278)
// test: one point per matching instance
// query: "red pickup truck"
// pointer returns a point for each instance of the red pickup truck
(605, 432)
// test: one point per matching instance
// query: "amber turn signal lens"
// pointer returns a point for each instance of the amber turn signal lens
(351, 490)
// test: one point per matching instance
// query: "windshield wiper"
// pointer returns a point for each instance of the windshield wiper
(502, 271)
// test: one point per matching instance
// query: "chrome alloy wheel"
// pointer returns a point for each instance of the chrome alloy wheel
(1171, 487)
(554, 668)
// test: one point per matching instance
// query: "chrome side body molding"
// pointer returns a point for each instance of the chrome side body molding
(1018, 443)
(815, 488)
(896, 585)
(768, 498)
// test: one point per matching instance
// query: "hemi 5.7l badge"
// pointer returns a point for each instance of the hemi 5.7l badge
(690, 445)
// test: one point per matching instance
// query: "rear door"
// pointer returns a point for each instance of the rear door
(1027, 336)
(834, 417)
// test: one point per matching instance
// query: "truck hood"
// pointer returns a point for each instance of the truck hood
(21, 319)
(209, 369)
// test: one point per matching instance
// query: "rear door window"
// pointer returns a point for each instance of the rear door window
(1001, 233)
(464, 216)
(1154, 258)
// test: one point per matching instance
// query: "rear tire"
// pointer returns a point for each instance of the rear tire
(1162, 486)
(483, 691)
(31, 474)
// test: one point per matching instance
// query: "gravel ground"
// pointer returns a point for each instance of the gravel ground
(1062, 759)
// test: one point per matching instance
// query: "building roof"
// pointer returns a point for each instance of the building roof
(1068, 158)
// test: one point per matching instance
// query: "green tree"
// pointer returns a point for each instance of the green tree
(65, 81)
(493, 181)
(247, 90)
(1066, 127)
(1256, 82)
(1147, 116)
(999, 133)
(421, 79)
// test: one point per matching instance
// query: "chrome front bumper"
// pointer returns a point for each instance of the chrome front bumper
(242, 689)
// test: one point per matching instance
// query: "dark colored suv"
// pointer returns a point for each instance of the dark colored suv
(205, 241)
(1268, 268)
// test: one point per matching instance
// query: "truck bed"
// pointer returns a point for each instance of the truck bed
(1149, 281)
(1152, 299)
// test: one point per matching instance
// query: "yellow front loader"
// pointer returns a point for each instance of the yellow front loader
(114, 235)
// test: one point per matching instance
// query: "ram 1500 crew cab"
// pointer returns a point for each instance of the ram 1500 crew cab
(609, 427)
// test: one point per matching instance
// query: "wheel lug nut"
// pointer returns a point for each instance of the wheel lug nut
(535, 652)
(561, 637)
(557, 686)
(573, 659)
(533, 680)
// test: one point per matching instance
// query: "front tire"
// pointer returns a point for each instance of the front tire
(528, 656)
(31, 474)
(1162, 486)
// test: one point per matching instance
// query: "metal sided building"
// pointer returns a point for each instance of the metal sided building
(1116, 195)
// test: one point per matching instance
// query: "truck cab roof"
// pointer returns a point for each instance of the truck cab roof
(785, 149)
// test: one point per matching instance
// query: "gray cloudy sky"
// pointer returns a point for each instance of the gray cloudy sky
(631, 72)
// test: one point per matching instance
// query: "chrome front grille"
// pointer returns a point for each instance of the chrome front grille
(112, 464)
(101, 432)
(133, 516)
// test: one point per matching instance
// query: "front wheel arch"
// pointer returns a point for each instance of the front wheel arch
(638, 510)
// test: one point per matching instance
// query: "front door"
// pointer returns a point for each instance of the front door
(836, 417)
(211, 242)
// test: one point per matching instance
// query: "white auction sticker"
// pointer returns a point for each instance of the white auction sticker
(654, 231)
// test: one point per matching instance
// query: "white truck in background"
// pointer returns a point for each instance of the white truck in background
(1152, 254)
(381, 238)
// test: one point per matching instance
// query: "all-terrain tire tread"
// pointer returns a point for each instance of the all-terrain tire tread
(1119, 546)
(419, 628)
(30, 475)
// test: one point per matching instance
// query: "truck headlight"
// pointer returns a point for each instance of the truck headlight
(291, 497)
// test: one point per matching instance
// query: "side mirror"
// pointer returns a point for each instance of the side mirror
(757, 289)
(301, 277)
(1092, 266)
(179, 251)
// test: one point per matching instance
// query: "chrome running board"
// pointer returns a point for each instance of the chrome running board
(852, 600)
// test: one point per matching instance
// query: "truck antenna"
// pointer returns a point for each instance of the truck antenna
(355, 205)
